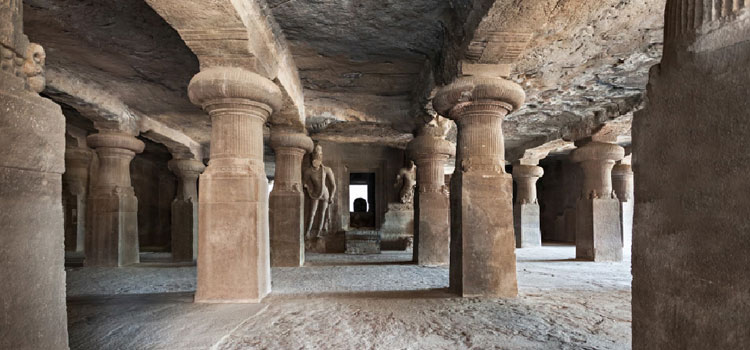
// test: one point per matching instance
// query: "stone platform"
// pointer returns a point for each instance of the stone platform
(363, 242)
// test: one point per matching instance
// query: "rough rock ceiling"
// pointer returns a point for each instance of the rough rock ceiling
(369, 67)
(361, 60)
(124, 48)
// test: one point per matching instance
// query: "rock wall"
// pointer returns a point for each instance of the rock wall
(691, 282)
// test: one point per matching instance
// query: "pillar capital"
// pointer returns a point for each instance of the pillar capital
(186, 168)
(114, 139)
(526, 177)
(290, 139)
(478, 105)
(622, 181)
(598, 151)
(527, 171)
(77, 157)
(622, 170)
(427, 146)
(490, 94)
(223, 90)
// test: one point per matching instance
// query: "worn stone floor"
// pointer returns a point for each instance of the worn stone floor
(356, 302)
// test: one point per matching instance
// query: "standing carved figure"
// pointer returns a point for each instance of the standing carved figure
(406, 179)
(320, 185)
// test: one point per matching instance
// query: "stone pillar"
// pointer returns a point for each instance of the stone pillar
(598, 235)
(432, 207)
(691, 282)
(287, 201)
(526, 208)
(32, 139)
(233, 259)
(112, 238)
(622, 182)
(76, 180)
(185, 209)
(483, 260)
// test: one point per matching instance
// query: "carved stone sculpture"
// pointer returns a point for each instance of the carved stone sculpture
(406, 180)
(320, 184)
(33, 67)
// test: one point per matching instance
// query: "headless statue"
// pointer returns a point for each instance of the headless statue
(407, 180)
(320, 185)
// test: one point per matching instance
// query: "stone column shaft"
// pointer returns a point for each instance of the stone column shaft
(112, 238)
(483, 261)
(32, 137)
(622, 182)
(185, 209)
(76, 176)
(233, 259)
(598, 234)
(526, 209)
(287, 201)
(432, 206)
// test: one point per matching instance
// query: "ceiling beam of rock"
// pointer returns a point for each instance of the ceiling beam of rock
(583, 64)
(239, 33)
(107, 112)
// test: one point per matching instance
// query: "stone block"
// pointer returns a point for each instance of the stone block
(526, 225)
(432, 234)
(483, 258)
(233, 259)
(598, 236)
(363, 242)
(287, 228)
(113, 233)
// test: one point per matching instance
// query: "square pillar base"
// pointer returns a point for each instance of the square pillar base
(184, 230)
(526, 225)
(285, 212)
(598, 235)
(113, 236)
(483, 258)
(233, 259)
(432, 234)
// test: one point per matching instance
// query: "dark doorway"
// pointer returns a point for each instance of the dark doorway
(362, 200)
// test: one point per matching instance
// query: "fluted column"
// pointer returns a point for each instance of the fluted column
(76, 178)
(432, 206)
(483, 261)
(622, 182)
(598, 235)
(287, 201)
(32, 139)
(185, 209)
(526, 209)
(233, 258)
(112, 238)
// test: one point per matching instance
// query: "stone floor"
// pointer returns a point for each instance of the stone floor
(357, 302)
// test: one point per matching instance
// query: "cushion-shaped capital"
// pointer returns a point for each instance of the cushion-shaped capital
(426, 146)
(622, 170)
(115, 140)
(186, 167)
(218, 83)
(598, 151)
(470, 89)
(291, 140)
(522, 171)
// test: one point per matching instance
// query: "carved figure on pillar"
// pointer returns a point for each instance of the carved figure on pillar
(406, 180)
(320, 184)
(33, 67)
